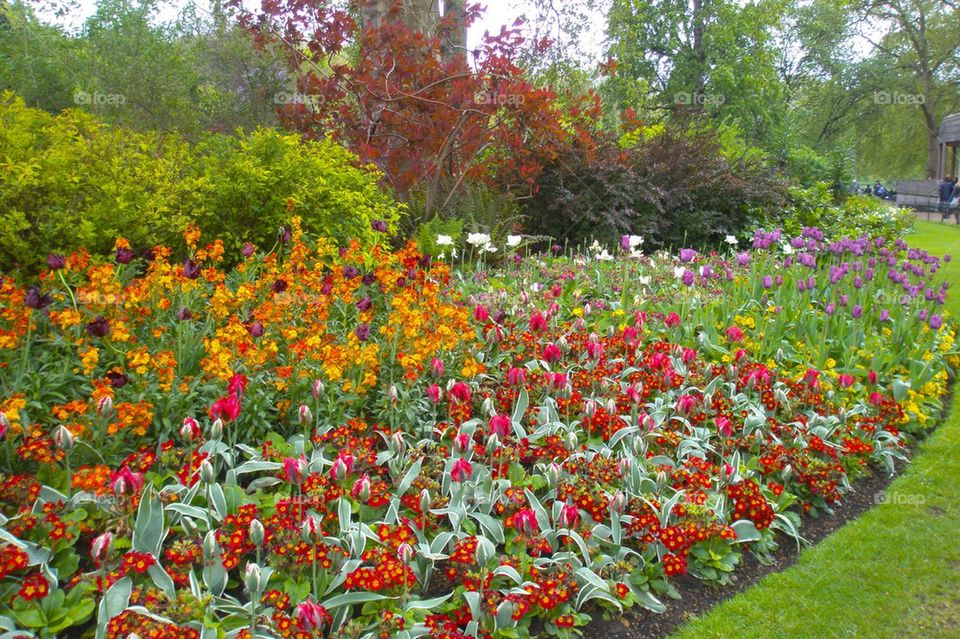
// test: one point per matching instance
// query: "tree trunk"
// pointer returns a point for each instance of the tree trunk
(455, 36)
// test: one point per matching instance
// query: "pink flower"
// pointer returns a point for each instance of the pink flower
(500, 425)
(312, 528)
(460, 392)
(724, 426)
(685, 404)
(295, 468)
(525, 520)
(461, 442)
(342, 466)
(304, 415)
(688, 355)
(190, 431)
(734, 334)
(237, 384)
(812, 377)
(845, 380)
(569, 515)
(594, 350)
(538, 323)
(126, 481)
(461, 470)
(552, 353)
(226, 408)
(436, 367)
(434, 393)
(310, 616)
(361, 488)
(516, 376)
(645, 421)
(480, 313)
(635, 394)
(100, 546)
(671, 320)
(872, 377)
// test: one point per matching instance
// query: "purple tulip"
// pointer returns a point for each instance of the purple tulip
(743, 259)
(364, 304)
(190, 269)
(687, 278)
(830, 309)
(363, 332)
(35, 299)
(687, 255)
(255, 329)
(936, 322)
(99, 327)
(248, 249)
(767, 281)
(123, 255)
(184, 314)
(884, 315)
(856, 312)
(56, 261)
(379, 226)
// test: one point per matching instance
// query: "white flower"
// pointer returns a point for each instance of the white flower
(635, 254)
(490, 248)
(644, 280)
(788, 250)
(444, 240)
(478, 239)
(635, 240)
(679, 271)
(514, 240)
(731, 240)
(604, 256)
(595, 247)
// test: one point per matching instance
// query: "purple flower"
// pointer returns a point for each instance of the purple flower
(117, 379)
(255, 329)
(856, 312)
(369, 279)
(56, 261)
(190, 269)
(248, 249)
(767, 281)
(625, 242)
(99, 327)
(363, 332)
(123, 255)
(743, 259)
(687, 278)
(687, 255)
(830, 309)
(279, 286)
(350, 271)
(184, 314)
(35, 299)
(884, 315)
(283, 235)
(379, 226)
(364, 304)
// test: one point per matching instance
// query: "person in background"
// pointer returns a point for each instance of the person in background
(946, 191)
(954, 202)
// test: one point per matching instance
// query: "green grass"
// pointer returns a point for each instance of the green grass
(895, 571)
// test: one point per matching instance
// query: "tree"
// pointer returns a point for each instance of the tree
(430, 118)
(921, 46)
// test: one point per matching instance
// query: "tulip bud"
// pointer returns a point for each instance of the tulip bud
(63, 438)
(424, 501)
(590, 408)
(190, 430)
(305, 415)
(572, 441)
(611, 407)
(105, 406)
(251, 579)
(486, 407)
(318, 389)
(393, 395)
(216, 429)
(207, 474)
(361, 489)
(312, 529)
(618, 502)
(211, 549)
(406, 553)
(552, 474)
(257, 533)
(493, 443)
(100, 547)
(436, 367)
(461, 442)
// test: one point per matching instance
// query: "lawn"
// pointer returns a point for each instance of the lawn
(895, 572)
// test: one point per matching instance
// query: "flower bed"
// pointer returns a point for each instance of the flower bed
(331, 442)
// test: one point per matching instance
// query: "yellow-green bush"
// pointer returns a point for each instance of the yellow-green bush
(69, 182)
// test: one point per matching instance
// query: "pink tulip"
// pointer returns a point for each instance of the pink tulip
(500, 425)
(516, 376)
(461, 470)
(436, 367)
(526, 521)
(311, 617)
(126, 481)
(434, 393)
(460, 392)
(100, 546)
(734, 334)
(569, 515)
(538, 323)
(480, 313)
(342, 465)
(361, 488)
(295, 468)
(190, 431)
(724, 426)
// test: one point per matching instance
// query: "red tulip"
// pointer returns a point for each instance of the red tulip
(500, 425)
(295, 469)
(461, 470)
(460, 392)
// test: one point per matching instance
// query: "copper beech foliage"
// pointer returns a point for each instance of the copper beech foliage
(431, 115)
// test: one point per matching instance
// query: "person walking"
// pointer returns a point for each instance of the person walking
(953, 203)
(946, 192)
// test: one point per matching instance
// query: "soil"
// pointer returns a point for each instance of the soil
(699, 597)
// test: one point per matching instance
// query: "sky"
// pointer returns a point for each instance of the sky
(498, 13)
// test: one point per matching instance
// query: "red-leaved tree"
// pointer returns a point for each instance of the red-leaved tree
(412, 100)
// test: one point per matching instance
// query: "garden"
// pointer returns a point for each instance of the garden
(339, 320)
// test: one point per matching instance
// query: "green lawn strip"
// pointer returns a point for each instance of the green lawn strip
(895, 571)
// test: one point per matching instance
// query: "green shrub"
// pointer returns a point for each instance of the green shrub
(255, 183)
(69, 182)
(856, 215)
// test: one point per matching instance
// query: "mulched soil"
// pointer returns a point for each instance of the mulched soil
(699, 597)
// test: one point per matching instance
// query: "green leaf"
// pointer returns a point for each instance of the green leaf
(148, 530)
